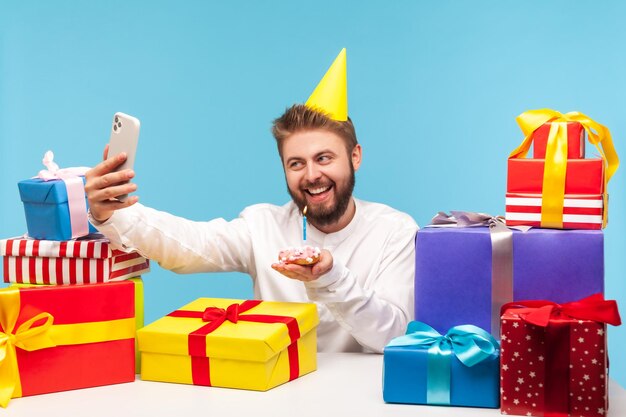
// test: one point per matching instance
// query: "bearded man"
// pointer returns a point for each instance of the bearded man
(363, 282)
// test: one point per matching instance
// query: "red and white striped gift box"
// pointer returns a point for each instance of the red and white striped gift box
(81, 261)
(579, 211)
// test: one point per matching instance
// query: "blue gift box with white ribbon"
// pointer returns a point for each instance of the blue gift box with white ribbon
(47, 209)
(460, 368)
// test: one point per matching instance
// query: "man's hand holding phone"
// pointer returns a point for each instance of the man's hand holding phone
(104, 184)
(108, 184)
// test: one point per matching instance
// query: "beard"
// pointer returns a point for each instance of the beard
(321, 215)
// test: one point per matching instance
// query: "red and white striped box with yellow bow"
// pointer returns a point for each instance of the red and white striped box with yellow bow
(560, 190)
(254, 345)
(83, 261)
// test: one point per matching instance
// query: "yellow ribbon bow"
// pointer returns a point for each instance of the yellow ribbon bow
(553, 192)
(27, 336)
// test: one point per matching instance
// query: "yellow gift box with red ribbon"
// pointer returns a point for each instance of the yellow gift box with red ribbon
(250, 344)
(57, 338)
(555, 173)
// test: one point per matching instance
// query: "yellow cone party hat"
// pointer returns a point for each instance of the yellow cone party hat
(331, 94)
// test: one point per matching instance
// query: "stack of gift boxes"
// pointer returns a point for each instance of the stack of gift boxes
(69, 317)
(510, 310)
(66, 334)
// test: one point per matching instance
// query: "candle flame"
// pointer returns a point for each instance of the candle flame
(304, 211)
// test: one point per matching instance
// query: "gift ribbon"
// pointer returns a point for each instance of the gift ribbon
(215, 316)
(75, 192)
(470, 344)
(540, 312)
(39, 332)
(553, 192)
(501, 254)
(557, 320)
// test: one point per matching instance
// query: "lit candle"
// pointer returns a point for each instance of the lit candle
(304, 222)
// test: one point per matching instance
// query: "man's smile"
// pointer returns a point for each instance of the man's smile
(318, 194)
(317, 190)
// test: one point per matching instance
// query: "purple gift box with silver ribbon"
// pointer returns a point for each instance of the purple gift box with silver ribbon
(469, 264)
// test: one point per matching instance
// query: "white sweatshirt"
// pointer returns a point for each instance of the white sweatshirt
(364, 301)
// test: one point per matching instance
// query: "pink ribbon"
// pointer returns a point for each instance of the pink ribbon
(75, 192)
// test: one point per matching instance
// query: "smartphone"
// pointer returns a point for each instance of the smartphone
(124, 138)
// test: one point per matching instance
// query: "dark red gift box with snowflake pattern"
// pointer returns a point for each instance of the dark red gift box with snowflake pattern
(554, 357)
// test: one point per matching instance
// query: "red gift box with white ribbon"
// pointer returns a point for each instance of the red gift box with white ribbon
(83, 261)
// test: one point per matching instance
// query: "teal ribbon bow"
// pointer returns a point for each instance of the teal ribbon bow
(470, 344)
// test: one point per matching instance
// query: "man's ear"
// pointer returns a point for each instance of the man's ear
(356, 156)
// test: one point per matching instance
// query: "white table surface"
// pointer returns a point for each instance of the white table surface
(345, 384)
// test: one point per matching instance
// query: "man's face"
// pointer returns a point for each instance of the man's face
(320, 174)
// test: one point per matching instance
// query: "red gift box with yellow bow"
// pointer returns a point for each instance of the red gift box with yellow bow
(59, 338)
(558, 191)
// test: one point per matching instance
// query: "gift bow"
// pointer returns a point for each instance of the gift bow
(470, 344)
(472, 219)
(553, 191)
(466, 219)
(30, 335)
(217, 315)
(501, 254)
(594, 307)
(75, 191)
(55, 173)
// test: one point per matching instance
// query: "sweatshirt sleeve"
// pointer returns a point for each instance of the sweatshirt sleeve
(381, 312)
(178, 244)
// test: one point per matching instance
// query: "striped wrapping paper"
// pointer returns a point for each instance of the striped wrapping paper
(81, 261)
(579, 211)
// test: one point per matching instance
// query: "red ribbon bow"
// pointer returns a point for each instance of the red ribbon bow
(219, 314)
(539, 312)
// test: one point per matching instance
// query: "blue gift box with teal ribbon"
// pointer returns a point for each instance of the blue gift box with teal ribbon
(47, 210)
(460, 368)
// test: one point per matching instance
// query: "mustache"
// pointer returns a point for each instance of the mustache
(318, 184)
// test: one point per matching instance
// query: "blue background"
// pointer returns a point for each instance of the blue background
(434, 88)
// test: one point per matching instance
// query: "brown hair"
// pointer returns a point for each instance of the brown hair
(299, 118)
